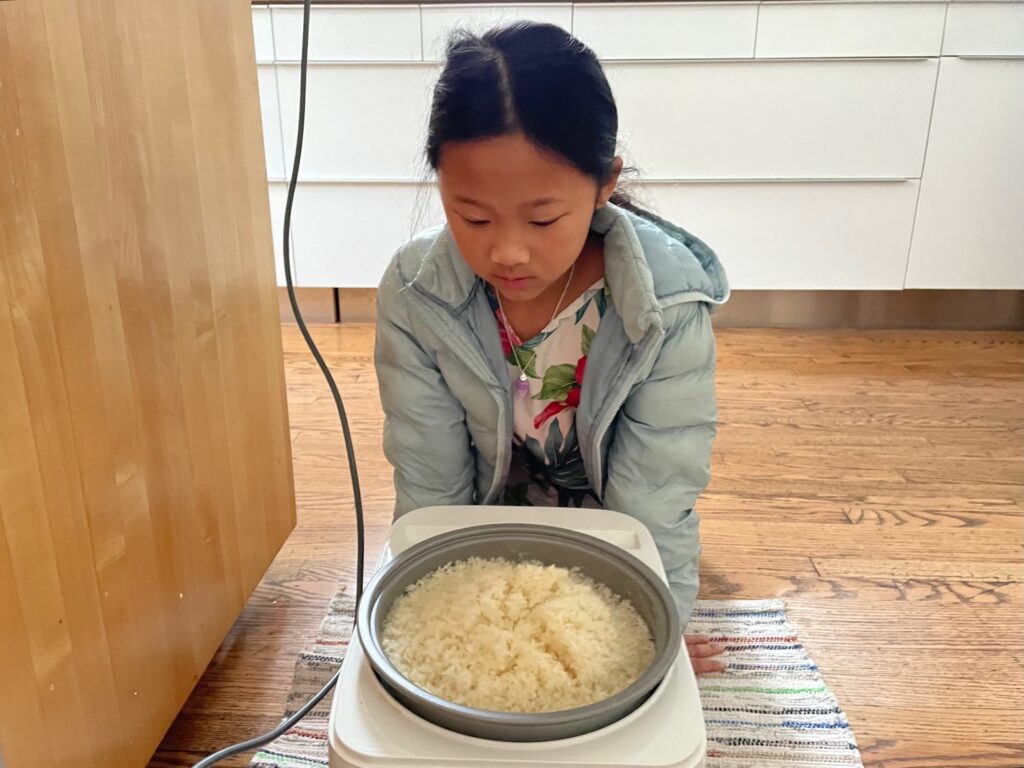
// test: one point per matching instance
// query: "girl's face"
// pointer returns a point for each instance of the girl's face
(520, 215)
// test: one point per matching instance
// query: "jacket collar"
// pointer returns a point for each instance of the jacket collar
(637, 250)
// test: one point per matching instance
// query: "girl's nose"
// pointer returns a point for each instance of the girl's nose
(509, 254)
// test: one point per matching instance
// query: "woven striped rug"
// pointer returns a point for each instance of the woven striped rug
(769, 709)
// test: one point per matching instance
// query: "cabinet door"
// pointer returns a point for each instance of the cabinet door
(639, 31)
(970, 225)
(350, 34)
(346, 234)
(800, 236)
(775, 119)
(363, 122)
(278, 195)
(849, 29)
(984, 29)
(262, 34)
(270, 114)
(440, 20)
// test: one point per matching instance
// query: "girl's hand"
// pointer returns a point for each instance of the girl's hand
(701, 652)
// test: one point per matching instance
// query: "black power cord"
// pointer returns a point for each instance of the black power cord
(259, 741)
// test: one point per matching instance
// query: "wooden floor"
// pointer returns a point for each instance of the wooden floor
(872, 480)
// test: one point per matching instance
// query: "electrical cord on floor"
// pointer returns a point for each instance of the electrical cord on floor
(259, 741)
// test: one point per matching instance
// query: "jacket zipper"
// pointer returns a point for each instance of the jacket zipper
(501, 397)
(609, 416)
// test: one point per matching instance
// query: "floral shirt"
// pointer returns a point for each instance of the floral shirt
(547, 468)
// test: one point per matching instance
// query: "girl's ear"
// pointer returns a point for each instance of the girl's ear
(604, 194)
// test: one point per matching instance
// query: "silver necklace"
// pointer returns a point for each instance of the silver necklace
(522, 384)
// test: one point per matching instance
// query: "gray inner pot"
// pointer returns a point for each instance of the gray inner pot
(623, 573)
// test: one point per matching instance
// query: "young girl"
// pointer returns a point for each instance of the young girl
(551, 345)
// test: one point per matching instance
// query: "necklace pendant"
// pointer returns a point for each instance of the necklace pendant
(521, 387)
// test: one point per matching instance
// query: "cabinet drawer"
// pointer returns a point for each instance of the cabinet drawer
(769, 235)
(262, 34)
(364, 122)
(635, 31)
(278, 194)
(271, 118)
(350, 34)
(346, 234)
(799, 235)
(970, 227)
(440, 20)
(984, 29)
(850, 29)
(771, 120)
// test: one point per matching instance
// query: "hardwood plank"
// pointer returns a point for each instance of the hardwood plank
(947, 751)
(910, 508)
(998, 569)
(982, 678)
(993, 729)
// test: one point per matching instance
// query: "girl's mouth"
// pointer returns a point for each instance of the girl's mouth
(512, 283)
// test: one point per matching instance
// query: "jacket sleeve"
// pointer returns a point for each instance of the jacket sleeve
(659, 456)
(425, 435)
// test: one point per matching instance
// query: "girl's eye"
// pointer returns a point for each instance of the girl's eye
(476, 222)
(545, 223)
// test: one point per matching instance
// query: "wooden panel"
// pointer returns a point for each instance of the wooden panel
(263, 34)
(984, 29)
(440, 20)
(799, 235)
(350, 34)
(637, 31)
(369, 122)
(850, 29)
(970, 231)
(345, 234)
(145, 468)
(815, 120)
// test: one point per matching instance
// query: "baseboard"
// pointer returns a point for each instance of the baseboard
(330, 305)
(918, 309)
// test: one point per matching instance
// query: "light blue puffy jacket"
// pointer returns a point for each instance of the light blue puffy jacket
(647, 413)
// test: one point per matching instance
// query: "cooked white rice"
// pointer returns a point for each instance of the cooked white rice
(515, 637)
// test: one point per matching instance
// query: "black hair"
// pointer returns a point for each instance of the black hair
(529, 78)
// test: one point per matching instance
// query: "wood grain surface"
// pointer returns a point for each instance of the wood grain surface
(872, 480)
(145, 466)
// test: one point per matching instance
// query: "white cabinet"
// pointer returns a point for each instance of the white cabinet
(802, 235)
(273, 147)
(439, 21)
(638, 31)
(350, 33)
(262, 34)
(970, 220)
(815, 144)
(278, 194)
(345, 234)
(775, 120)
(836, 30)
(362, 122)
(984, 29)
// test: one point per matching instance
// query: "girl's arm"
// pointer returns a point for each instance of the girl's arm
(659, 458)
(425, 434)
